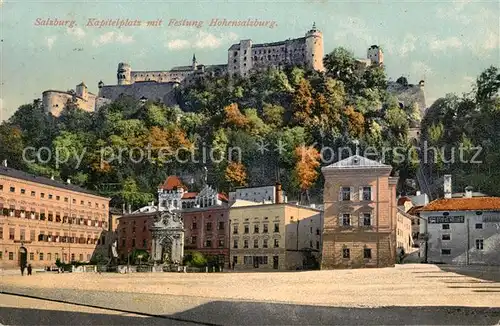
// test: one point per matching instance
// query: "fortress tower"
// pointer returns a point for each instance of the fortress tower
(375, 55)
(123, 74)
(314, 49)
(81, 90)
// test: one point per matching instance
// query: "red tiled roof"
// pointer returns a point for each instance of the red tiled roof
(223, 197)
(403, 200)
(415, 210)
(172, 182)
(464, 204)
(189, 195)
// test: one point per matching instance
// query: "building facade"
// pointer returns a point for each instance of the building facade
(274, 236)
(54, 101)
(360, 214)
(207, 231)
(42, 220)
(262, 194)
(307, 51)
(462, 230)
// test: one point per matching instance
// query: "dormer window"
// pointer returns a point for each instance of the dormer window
(355, 161)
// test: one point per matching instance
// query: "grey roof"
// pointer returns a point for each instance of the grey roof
(182, 68)
(17, 174)
(356, 162)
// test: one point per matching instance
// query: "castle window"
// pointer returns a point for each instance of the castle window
(235, 53)
(245, 59)
(269, 57)
(245, 52)
(255, 58)
(234, 60)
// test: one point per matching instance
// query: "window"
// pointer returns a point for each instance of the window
(11, 256)
(221, 242)
(209, 226)
(479, 244)
(346, 253)
(195, 226)
(1, 187)
(81, 202)
(367, 253)
(133, 242)
(367, 219)
(346, 219)
(235, 229)
(446, 226)
(446, 252)
(11, 233)
(367, 193)
(23, 191)
(346, 193)
(276, 243)
(1, 232)
(235, 244)
(42, 195)
(317, 245)
(264, 244)
(445, 237)
(33, 194)
(66, 199)
(479, 225)
(265, 228)
(12, 189)
(245, 244)
(247, 229)
(23, 235)
(221, 225)
(276, 227)
(50, 196)
(74, 201)
(1, 255)
(256, 228)
(144, 243)
(72, 257)
(32, 256)
(40, 256)
(256, 243)
(58, 198)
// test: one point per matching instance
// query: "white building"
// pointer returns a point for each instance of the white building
(462, 230)
(262, 195)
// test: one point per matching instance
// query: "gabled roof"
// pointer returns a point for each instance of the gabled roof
(189, 195)
(17, 174)
(172, 182)
(464, 204)
(356, 162)
(403, 200)
(415, 210)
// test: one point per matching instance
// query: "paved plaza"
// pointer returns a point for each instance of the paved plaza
(406, 294)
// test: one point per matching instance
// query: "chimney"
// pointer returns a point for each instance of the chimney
(447, 186)
(124, 211)
(4, 163)
(279, 193)
(468, 192)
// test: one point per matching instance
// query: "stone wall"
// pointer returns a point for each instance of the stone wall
(164, 92)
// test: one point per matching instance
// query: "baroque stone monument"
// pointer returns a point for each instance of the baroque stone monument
(168, 238)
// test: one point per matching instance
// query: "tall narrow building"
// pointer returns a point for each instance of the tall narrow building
(360, 214)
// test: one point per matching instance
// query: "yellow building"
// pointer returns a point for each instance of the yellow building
(42, 220)
(278, 236)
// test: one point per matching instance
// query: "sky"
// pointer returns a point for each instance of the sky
(446, 43)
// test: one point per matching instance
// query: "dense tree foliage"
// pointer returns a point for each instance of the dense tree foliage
(245, 130)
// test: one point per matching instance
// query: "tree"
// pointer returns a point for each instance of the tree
(340, 64)
(236, 174)
(306, 167)
(234, 118)
(131, 194)
(302, 103)
(273, 115)
(11, 145)
(355, 122)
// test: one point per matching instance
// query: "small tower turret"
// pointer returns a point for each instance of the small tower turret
(100, 84)
(314, 49)
(81, 90)
(123, 74)
(195, 63)
(375, 55)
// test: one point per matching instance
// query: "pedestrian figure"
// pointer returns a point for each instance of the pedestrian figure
(22, 269)
(30, 269)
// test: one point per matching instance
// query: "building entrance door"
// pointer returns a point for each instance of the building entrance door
(255, 262)
(275, 262)
(23, 257)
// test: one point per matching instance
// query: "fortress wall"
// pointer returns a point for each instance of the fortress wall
(164, 92)
(159, 76)
(54, 102)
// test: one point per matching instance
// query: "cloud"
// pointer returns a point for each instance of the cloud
(112, 37)
(50, 41)
(179, 44)
(491, 41)
(420, 70)
(437, 45)
(202, 40)
(408, 45)
(77, 32)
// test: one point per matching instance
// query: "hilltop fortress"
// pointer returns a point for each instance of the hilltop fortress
(242, 59)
